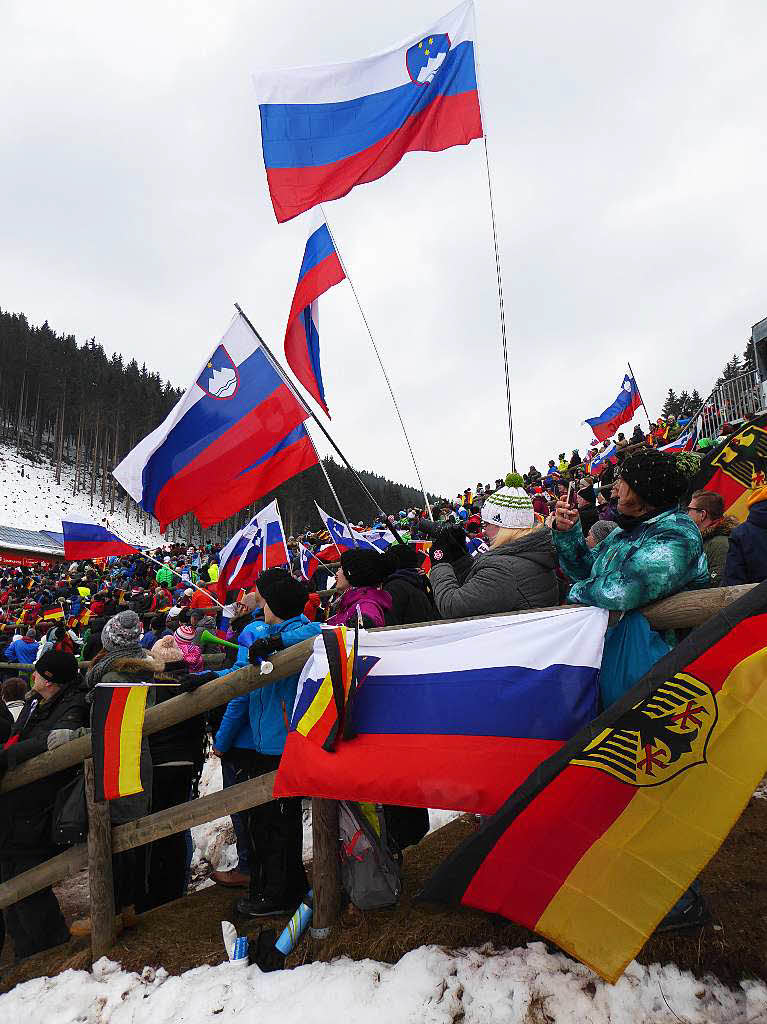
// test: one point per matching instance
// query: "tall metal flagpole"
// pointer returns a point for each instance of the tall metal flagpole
(309, 412)
(498, 274)
(649, 421)
(378, 357)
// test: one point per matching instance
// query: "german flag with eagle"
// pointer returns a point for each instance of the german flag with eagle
(602, 839)
(737, 467)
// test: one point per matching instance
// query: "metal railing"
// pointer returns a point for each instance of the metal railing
(731, 401)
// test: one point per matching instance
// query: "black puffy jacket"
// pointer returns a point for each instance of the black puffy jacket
(410, 600)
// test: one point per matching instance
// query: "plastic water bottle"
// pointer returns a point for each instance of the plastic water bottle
(296, 926)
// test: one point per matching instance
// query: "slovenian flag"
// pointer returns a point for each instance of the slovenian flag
(453, 715)
(327, 128)
(320, 270)
(621, 411)
(83, 538)
(684, 443)
(259, 545)
(600, 462)
(308, 561)
(340, 535)
(236, 434)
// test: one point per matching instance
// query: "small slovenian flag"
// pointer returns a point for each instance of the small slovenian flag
(684, 443)
(309, 562)
(328, 128)
(320, 270)
(340, 535)
(84, 538)
(621, 411)
(259, 545)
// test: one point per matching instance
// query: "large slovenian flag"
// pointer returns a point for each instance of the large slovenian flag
(236, 434)
(84, 538)
(320, 270)
(340, 535)
(452, 715)
(328, 128)
(621, 411)
(259, 545)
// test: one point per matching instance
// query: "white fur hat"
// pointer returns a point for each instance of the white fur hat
(509, 507)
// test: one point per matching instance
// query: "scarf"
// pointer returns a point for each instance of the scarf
(97, 672)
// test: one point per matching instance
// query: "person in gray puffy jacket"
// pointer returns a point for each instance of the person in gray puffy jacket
(515, 574)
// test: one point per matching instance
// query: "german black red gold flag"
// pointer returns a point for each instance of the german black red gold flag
(53, 613)
(117, 722)
(737, 467)
(603, 838)
(323, 717)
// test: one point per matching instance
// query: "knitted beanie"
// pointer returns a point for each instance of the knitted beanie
(185, 634)
(363, 568)
(511, 507)
(166, 651)
(122, 630)
(657, 478)
(285, 595)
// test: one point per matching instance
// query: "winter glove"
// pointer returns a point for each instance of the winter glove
(195, 680)
(448, 546)
(263, 648)
(58, 737)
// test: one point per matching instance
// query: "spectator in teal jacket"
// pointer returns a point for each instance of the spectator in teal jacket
(656, 551)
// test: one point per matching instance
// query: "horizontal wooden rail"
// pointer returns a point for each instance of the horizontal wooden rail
(251, 793)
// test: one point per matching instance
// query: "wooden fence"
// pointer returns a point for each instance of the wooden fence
(680, 611)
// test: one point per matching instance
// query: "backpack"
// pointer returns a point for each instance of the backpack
(370, 873)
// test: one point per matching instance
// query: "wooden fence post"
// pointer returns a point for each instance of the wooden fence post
(326, 868)
(102, 895)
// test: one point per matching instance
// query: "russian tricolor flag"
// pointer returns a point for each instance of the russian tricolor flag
(621, 411)
(328, 128)
(83, 538)
(236, 434)
(259, 545)
(320, 270)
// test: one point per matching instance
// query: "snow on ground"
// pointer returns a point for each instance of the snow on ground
(35, 501)
(429, 986)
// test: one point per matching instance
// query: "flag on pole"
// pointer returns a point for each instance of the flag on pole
(236, 434)
(684, 443)
(308, 561)
(600, 462)
(639, 801)
(117, 722)
(257, 546)
(448, 715)
(621, 411)
(320, 270)
(327, 128)
(340, 535)
(737, 467)
(84, 538)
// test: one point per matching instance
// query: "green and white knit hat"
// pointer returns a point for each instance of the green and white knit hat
(510, 507)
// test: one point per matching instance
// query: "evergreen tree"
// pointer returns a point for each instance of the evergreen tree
(670, 405)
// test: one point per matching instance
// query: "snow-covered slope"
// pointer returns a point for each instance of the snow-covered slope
(34, 501)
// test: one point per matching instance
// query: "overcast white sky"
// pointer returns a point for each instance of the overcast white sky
(627, 145)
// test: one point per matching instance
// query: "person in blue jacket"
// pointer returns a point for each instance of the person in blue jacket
(277, 878)
(24, 649)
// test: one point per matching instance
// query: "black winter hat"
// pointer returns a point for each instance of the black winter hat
(363, 568)
(285, 595)
(657, 478)
(400, 556)
(57, 667)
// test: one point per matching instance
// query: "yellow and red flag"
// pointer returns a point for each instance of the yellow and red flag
(737, 467)
(117, 722)
(603, 838)
(52, 614)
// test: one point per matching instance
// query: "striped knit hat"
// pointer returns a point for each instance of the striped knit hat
(509, 507)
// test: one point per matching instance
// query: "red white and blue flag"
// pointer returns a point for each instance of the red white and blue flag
(684, 443)
(320, 270)
(236, 434)
(453, 715)
(621, 411)
(327, 128)
(602, 461)
(259, 545)
(84, 538)
(340, 535)
(308, 561)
